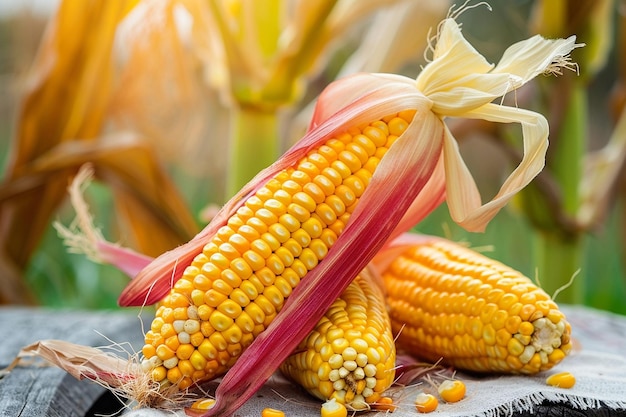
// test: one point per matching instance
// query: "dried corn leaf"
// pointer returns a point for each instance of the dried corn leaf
(66, 99)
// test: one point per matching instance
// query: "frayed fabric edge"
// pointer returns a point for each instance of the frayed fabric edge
(529, 402)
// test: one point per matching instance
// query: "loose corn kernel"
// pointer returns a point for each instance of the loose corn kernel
(203, 404)
(271, 412)
(235, 286)
(384, 404)
(426, 403)
(448, 301)
(452, 391)
(332, 408)
(561, 380)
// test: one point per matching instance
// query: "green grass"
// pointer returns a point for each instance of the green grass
(62, 279)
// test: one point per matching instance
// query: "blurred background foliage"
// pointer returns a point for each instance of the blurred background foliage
(184, 132)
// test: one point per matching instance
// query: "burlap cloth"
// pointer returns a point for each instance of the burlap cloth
(598, 362)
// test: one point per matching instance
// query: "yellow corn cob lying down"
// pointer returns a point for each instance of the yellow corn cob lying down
(350, 355)
(236, 286)
(447, 301)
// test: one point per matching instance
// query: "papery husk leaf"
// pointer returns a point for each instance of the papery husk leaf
(83, 361)
(126, 260)
(122, 376)
(429, 198)
(591, 20)
(454, 58)
(459, 79)
(463, 196)
(350, 89)
(461, 83)
(534, 56)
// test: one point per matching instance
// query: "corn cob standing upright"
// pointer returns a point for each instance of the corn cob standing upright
(449, 302)
(350, 355)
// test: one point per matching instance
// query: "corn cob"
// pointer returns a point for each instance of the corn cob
(447, 301)
(235, 287)
(350, 355)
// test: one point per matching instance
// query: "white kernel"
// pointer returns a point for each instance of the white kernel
(192, 312)
(349, 354)
(335, 361)
(340, 396)
(370, 370)
(527, 354)
(350, 365)
(171, 362)
(178, 325)
(184, 338)
(361, 360)
(339, 385)
(146, 366)
(358, 403)
(191, 326)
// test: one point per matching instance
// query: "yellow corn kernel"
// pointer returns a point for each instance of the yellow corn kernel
(174, 375)
(384, 404)
(332, 408)
(185, 351)
(203, 404)
(426, 403)
(447, 301)
(452, 390)
(158, 374)
(255, 260)
(148, 350)
(350, 355)
(164, 352)
(271, 412)
(561, 380)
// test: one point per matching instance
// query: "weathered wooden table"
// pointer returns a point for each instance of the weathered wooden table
(47, 391)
